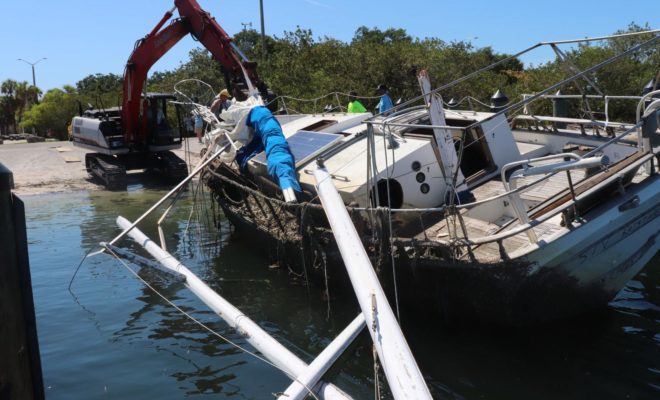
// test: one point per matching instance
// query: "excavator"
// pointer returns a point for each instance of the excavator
(138, 135)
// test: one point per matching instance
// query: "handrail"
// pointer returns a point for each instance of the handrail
(510, 165)
(640, 104)
(516, 201)
(513, 191)
(605, 98)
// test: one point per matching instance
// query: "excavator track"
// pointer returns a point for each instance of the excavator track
(169, 166)
(108, 169)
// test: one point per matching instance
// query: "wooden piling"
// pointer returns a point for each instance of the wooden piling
(20, 365)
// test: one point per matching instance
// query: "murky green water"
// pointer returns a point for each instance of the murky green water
(113, 338)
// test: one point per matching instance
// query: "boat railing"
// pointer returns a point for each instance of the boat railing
(512, 108)
(653, 107)
(518, 189)
(577, 162)
(470, 100)
(327, 103)
(512, 191)
(385, 123)
(581, 97)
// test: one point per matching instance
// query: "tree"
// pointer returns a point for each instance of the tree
(249, 41)
(17, 98)
(7, 121)
(101, 90)
(55, 111)
(377, 37)
(9, 105)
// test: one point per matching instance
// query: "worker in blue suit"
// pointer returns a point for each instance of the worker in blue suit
(385, 103)
(268, 136)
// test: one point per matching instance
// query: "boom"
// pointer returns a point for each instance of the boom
(148, 50)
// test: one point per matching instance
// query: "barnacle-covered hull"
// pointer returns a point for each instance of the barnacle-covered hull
(580, 271)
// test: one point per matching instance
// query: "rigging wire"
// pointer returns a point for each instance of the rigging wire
(206, 327)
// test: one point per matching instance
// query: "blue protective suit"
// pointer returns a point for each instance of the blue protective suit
(385, 103)
(268, 136)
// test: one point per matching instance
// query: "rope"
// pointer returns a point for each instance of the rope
(376, 378)
(374, 353)
(316, 100)
(206, 327)
(78, 268)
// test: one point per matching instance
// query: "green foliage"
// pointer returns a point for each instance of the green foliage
(17, 97)
(300, 65)
(249, 41)
(55, 112)
(99, 83)
(200, 66)
(100, 90)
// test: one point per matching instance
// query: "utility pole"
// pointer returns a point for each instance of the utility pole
(263, 30)
(34, 81)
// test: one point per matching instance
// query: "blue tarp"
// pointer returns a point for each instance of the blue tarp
(268, 136)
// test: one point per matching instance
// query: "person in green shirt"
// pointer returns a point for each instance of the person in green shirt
(354, 106)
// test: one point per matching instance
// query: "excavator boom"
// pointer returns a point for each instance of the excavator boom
(138, 135)
(148, 50)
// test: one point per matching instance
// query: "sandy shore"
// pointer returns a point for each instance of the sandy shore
(50, 167)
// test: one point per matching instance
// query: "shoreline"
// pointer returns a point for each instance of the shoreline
(59, 167)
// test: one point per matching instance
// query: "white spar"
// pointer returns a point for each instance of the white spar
(323, 362)
(271, 349)
(403, 375)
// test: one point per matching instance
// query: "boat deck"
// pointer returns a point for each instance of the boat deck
(476, 228)
(534, 195)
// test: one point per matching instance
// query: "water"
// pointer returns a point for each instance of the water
(113, 338)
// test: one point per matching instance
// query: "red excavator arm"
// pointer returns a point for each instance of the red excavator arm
(195, 21)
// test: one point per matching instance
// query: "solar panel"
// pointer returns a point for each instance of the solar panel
(305, 145)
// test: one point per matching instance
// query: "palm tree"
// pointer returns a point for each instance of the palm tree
(8, 87)
(18, 98)
(9, 104)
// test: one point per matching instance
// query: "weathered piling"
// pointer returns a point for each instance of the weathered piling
(20, 365)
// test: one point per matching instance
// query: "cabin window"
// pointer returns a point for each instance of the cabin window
(476, 154)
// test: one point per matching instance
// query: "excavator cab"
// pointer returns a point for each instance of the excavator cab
(162, 133)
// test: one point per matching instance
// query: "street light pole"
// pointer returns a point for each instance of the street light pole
(263, 31)
(34, 81)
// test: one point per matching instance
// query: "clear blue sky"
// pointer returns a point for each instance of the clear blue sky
(82, 37)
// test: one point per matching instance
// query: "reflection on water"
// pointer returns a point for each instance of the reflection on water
(118, 339)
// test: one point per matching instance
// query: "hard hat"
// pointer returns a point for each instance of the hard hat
(225, 92)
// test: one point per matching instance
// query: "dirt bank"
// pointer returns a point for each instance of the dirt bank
(50, 167)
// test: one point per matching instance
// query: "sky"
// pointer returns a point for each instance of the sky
(83, 37)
